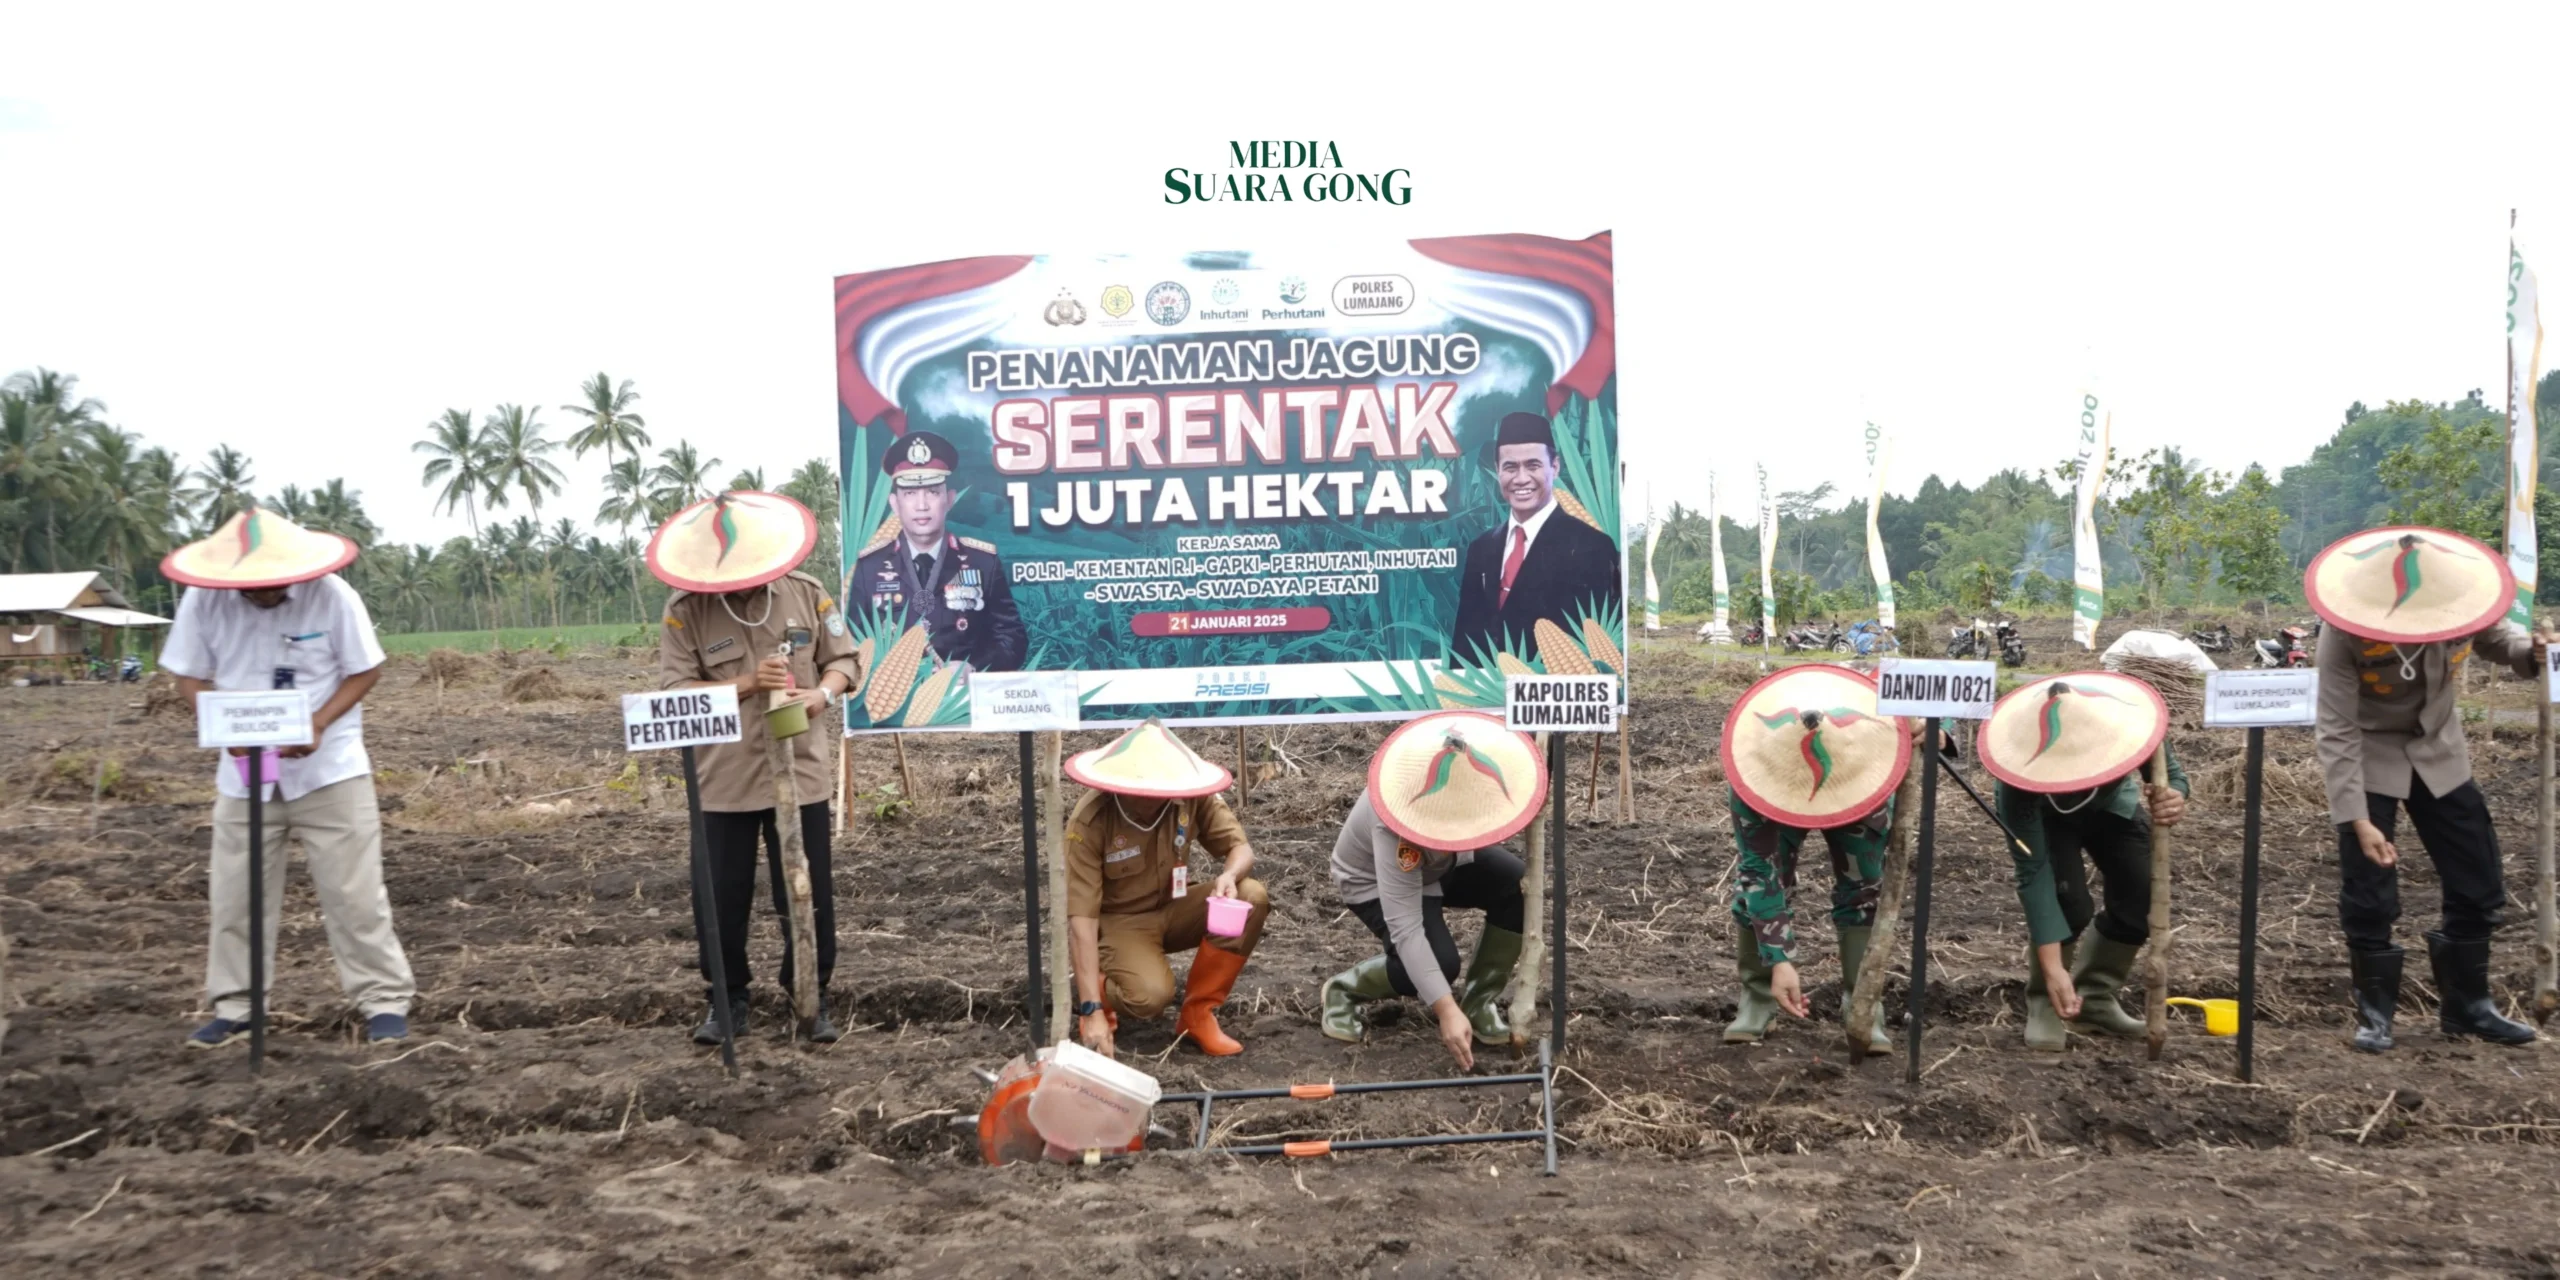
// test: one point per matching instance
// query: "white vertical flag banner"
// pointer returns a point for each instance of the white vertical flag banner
(1768, 559)
(1879, 455)
(1715, 553)
(2524, 448)
(1652, 586)
(2088, 585)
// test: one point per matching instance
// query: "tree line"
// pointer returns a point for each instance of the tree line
(80, 493)
(2174, 532)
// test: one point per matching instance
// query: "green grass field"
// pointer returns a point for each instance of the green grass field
(603, 636)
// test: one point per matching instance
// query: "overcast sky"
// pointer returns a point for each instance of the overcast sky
(305, 232)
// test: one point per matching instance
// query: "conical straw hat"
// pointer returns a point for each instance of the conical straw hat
(2072, 732)
(2409, 585)
(257, 549)
(1148, 761)
(732, 542)
(1805, 747)
(1456, 781)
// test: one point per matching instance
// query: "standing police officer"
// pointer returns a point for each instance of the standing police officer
(953, 586)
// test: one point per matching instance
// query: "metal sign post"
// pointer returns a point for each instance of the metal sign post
(259, 721)
(685, 719)
(2256, 701)
(1934, 690)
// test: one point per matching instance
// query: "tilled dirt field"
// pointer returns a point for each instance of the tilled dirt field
(550, 1116)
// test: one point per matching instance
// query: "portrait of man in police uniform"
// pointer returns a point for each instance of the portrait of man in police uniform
(923, 574)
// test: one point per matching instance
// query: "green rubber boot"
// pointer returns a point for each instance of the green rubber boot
(1752, 1013)
(2099, 974)
(1346, 991)
(1480, 993)
(1853, 951)
(2046, 1032)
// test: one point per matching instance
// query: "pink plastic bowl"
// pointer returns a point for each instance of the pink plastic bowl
(1227, 916)
(266, 766)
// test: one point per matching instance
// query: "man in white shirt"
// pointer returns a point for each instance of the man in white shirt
(265, 609)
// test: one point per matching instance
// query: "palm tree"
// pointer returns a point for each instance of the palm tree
(751, 478)
(626, 499)
(681, 478)
(35, 473)
(127, 517)
(518, 458)
(458, 455)
(51, 393)
(814, 486)
(222, 486)
(610, 423)
(410, 584)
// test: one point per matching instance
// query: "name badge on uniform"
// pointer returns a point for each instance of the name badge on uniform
(1121, 854)
(1181, 881)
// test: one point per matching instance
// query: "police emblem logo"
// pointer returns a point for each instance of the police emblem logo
(1064, 309)
(919, 452)
(1293, 290)
(1168, 303)
(1117, 300)
(1408, 858)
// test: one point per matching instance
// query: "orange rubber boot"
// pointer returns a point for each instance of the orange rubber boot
(1213, 975)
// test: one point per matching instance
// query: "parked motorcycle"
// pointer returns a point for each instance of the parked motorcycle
(2291, 647)
(1868, 639)
(1985, 638)
(1814, 638)
(2217, 640)
(1751, 635)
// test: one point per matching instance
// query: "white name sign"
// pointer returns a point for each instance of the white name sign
(1560, 704)
(679, 718)
(1024, 701)
(2551, 666)
(1938, 687)
(267, 718)
(2261, 699)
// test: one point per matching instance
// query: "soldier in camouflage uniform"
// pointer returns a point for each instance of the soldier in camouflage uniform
(1804, 751)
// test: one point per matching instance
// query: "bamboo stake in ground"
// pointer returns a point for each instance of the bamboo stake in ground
(1053, 847)
(844, 781)
(906, 773)
(2546, 934)
(1532, 967)
(1591, 802)
(2155, 973)
(1866, 986)
(1244, 780)
(4, 986)
(795, 871)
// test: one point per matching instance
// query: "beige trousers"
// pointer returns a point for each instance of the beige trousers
(341, 833)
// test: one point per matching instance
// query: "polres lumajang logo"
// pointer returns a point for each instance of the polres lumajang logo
(1168, 303)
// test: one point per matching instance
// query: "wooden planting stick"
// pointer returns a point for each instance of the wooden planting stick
(1526, 975)
(1866, 987)
(1053, 847)
(1626, 779)
(906, 773)
(2155, 974)
(795, 876)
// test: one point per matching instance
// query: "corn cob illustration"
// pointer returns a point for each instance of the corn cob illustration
(887, 689)
(928, 699)
(879, 537)
(1453, 695)
(1603, 649)
(1561, 655)
(1511, 666)
(1573, 507)
(862, 654)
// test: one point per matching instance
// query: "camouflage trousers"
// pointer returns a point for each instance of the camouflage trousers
(1765, 877)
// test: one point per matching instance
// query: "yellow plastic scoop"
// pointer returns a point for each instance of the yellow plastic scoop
(2221, 1017)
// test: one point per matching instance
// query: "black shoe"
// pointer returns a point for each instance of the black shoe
(2376, 977)
(709, 1032)
(820, 1029)
(2462, 984)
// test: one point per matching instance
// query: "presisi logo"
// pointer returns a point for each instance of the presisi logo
(1231, 684)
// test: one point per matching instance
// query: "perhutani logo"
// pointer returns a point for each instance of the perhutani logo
(1293, 290)
(1168, 303)
(1325, 180)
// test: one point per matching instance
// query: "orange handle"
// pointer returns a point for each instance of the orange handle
(1296, 1150)
(1311, 1092)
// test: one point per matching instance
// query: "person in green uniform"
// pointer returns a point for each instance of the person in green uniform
(2067, 753)
(1805, 751)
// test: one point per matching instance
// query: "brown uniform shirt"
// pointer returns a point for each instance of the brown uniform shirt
(2387, 712)
(1114, 868)
(701, 640)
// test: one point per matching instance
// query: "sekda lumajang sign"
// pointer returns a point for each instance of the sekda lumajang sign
(1231, 486)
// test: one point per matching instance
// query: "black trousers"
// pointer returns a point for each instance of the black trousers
(2121, 849)
(2455, 829)
(1490, 884)
(731, 841)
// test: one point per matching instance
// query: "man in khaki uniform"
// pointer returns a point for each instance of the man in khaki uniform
(1130, 897)
(739, 603)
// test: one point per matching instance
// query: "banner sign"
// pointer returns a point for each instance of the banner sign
(1560, 704)
(1768, 561)
(258, 718)
(1652, 586)
(1942, 687)
(1879, 454)
(2524, 371)
(680, 718)
(2261, 699)
(1233, 487)
(1023, 702)
(1715, 553)
(2088, 584)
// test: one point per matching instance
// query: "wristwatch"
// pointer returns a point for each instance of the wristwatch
(1087, 1008)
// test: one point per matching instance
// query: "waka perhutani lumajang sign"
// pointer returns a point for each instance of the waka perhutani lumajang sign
(1228, 486)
